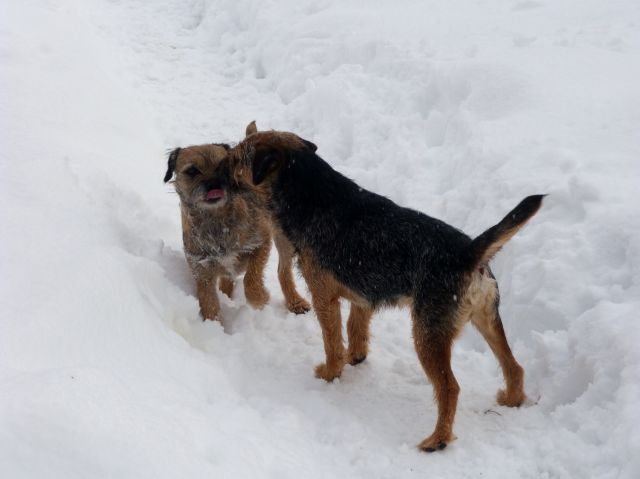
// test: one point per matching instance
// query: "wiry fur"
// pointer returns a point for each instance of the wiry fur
(358, 245)
(228, 236)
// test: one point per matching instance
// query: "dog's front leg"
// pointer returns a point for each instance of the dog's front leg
(206, 279)
(325, 296)
(328, 312)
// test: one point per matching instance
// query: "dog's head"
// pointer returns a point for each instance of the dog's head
(202, 176)
(265, 153)
(205, 176)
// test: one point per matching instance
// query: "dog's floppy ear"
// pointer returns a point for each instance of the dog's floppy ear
(171, 166)
(265, 161)
(308, 144)
(251, 129)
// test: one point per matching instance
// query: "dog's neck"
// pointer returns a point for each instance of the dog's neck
(307, 190)
(199, 217)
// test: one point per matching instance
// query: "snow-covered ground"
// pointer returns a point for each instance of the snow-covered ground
(459, 109)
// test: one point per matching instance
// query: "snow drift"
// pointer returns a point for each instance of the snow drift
(457, 110)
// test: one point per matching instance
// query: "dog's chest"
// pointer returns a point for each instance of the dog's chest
(220, 244)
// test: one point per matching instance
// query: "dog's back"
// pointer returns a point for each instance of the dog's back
(356, 244)
(375, 247)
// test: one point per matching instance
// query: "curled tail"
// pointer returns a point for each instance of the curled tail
(485, 246)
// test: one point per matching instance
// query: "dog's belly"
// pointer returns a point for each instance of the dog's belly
(357, 298)
(387, 261)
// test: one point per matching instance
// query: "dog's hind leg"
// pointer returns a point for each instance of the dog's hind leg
(433, 346)
(487, 321)
(225, 285)
(295, 303)
(358, 333)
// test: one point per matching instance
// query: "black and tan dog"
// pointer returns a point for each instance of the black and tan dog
(361, 246)
(226, 230)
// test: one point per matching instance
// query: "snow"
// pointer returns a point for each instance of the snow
(459, 109)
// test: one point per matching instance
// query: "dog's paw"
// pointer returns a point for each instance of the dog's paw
(257, 297)
(355, 359)
(211, 316)
(510, 399)
(357, 353)
(436, 442)
(299, 306)
(327, 373)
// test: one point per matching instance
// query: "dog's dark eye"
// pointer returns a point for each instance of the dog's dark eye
(192, 171)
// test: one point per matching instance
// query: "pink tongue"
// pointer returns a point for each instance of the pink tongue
(215, 194)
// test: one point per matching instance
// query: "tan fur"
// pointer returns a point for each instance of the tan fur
(295, 302)
(208, 299)
(434, 352)
(326, 292)
(479, 305)
(358, 333)
(251, 128)
(325, 295)
(493, 249)
(506, 229)
(249, 231)
(254, 289)
(279, 139)
(226, 285)
(241, 173)
(271, 141)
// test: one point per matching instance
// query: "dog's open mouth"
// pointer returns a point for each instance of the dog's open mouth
(214, 195)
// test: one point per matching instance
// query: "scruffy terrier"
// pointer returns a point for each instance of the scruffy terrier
(354, 244)
(226, 230)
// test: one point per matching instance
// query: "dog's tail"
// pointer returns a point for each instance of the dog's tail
(485, 246)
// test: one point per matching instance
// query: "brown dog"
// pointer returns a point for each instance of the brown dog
(361, 246)
(226, 230)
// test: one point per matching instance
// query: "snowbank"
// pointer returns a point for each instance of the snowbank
(456, 110)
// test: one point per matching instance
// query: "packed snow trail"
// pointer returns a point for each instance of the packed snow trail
(458, 111)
